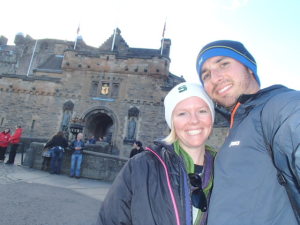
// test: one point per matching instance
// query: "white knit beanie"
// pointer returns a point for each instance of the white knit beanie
(181, 92)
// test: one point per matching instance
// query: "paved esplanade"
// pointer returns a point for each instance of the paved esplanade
(34, 197)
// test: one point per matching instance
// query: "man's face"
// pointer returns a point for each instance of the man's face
(225, 79)
(79, 136)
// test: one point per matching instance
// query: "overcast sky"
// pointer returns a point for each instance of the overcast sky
(268, 28)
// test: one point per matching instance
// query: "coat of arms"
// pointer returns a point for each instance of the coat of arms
(104, 89)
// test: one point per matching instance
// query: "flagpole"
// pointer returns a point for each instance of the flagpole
(114, 39)
(75, 42)
(163, 38)
(78, 29)
(36, 41)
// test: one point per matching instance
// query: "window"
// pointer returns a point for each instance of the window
(94, 88)
(115, 90)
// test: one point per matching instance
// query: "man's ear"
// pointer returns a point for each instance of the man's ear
(250, 71)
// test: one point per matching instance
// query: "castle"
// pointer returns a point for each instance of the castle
(113, 91)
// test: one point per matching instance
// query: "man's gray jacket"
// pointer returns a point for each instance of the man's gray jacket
(246, 189)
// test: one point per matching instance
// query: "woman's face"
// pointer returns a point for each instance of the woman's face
(192, 122)
(6, 130)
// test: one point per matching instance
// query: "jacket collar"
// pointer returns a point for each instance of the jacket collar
(251, 100)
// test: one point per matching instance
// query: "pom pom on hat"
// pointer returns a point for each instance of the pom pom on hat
(232, 49)
(181, 92)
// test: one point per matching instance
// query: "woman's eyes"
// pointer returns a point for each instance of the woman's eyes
(181, 113)
(200, 111)
(203, 111)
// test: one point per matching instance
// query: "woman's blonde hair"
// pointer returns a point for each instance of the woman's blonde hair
(172, 137)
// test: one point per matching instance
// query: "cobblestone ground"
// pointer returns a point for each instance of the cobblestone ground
(23, 202)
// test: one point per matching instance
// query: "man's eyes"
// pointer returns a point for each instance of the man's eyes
(223, 64)
(205, 76)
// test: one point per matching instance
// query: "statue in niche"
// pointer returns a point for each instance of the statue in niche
(68, 111)
(66, 120)
(131, 129)
(133, 112)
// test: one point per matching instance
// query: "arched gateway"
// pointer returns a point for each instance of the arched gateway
(100, 122)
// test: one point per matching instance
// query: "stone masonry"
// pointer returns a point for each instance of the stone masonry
(113, 91)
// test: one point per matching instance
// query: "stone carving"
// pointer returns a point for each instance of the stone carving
(131, 129)
(67, 114)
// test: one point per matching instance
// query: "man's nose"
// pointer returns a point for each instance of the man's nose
(216, 75)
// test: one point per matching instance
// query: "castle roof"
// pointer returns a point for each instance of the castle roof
(52, 64)
(121, 48)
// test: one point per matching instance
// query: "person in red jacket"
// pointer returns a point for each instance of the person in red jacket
(4, 142)
(14, 141)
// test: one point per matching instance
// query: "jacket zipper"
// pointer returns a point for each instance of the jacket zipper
(169, 185)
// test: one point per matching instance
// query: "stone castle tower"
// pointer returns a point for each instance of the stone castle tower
(113, 91)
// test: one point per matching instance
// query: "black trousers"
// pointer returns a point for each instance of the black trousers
(2, 152)
(12, 153)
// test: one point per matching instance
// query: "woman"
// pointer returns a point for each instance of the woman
(57, 146)
(4, 142)
(163, 186)
(137, 148)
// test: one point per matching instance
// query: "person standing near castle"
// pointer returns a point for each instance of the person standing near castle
(4, 142)
(57, 146)
(257, 170)
(171, 183)
(76, 158)
(14, 140)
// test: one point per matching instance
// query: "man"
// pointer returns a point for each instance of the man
(57, 145)
(14, 141)
(76, 158)
(264, 133)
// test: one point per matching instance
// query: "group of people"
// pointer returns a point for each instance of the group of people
(54, 152)
(93, 140)
(254, 178)
(13, 140)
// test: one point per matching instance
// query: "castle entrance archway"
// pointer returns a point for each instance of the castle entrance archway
(99, 123)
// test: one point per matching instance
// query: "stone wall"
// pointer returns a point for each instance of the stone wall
(95, 165)
(98, 161)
